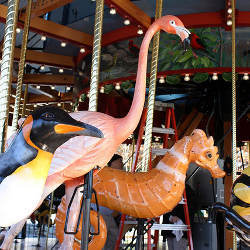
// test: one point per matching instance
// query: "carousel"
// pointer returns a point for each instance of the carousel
(124, 124)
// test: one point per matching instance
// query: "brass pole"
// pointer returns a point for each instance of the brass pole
(93, 96)
(21, 65)
(25, 99)
(233, 106)
(96, 56)
(7, 66)
(151, 95)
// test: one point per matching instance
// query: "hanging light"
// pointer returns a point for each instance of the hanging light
(215, 76)
(59, 104)
(68, 88)
(245, 76)
(102, 89)
(61, 70)
(112, 11)
(38, 86)
(42, 67)
(18, 30)
(71, 103)
(229, 10)
(229, 22)
(63, 44)
(162, 80)
(187, 77)
(126, 21)
(43, 38)
(52, 87)
(35, 105)
(117, 86)
(82, 50)
(139, 31)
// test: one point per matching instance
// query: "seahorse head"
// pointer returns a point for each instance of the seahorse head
(204, 153)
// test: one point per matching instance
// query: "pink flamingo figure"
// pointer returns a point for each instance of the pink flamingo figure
(78, 156)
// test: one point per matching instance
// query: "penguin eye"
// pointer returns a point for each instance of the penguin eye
(48, 116)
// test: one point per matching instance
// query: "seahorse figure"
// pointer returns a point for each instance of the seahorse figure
(153, 193)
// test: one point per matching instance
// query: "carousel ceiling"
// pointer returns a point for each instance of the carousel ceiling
(61, 35)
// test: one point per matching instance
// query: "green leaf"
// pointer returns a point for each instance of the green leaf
(82, 97)
(174, 79)
(166, 66)
(126, 85)
(227, 76)
(205, 61)
(187, 55)
(108, 88)
(195, 62)
(210, 37)
(200, 77)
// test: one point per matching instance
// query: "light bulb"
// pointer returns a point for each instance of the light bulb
(52, 87)
(139, 31)
(88, 94)
(229, 22)
(35, 105)
(229, 10)
(18, 30)
(43, 38)
(59, 104)
(42, 67)
(215, 76)
(63, 44)
(186, 78)
(102, 89)
(126, 22)
(60, 70)
(82, 50)
(117, 86)
(246, 76)
(68, 88)
(38, 86)
(112, 11)
(162, 80)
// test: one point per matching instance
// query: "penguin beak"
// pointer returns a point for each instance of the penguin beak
(78, 128)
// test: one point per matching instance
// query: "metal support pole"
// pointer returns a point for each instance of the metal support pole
(6, 67)
(21, 66)
(151, 95)
(50, 212)
(140, 234)
(93, 95)
(234, 107)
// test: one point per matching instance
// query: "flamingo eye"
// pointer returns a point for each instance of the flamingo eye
(209, 155)
(172, 22)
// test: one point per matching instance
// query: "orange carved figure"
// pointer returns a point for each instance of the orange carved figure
(97, 242)
(151, 194)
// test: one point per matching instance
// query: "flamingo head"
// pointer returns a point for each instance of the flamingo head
(173, 25)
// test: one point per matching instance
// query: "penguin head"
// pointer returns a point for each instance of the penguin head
(49, 127)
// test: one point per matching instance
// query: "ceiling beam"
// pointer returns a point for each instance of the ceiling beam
(121, 34)
(41, 7)
(44, 58)
(53, 30)
(44, 99)
(129, 10)
(42, 79)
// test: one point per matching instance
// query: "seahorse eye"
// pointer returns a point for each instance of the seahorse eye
(209, 155)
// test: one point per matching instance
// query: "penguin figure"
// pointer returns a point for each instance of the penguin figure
(25, 164)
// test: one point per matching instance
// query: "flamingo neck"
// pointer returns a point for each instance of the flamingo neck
(131, 120)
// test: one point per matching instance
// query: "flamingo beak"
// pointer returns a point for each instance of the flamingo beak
(186, 43)
(184, 34)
